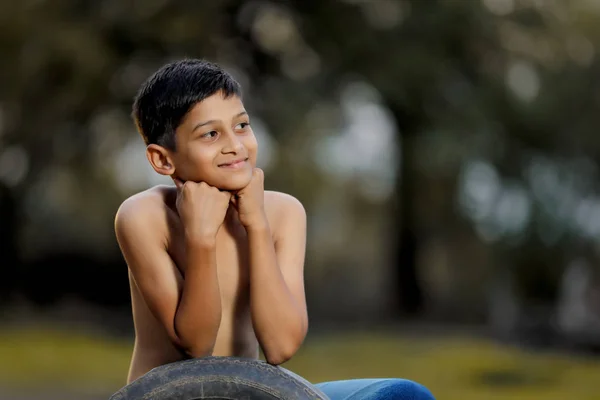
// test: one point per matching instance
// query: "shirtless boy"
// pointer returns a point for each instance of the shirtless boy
(216, 263)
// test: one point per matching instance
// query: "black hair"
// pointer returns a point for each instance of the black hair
(167, 95)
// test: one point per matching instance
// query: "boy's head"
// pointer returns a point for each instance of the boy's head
(192, 119)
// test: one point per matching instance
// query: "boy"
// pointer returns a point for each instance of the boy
(215, 263)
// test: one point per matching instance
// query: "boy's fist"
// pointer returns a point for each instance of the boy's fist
(249, 201)
(202, 209)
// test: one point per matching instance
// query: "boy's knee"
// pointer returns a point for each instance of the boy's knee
(403, 389)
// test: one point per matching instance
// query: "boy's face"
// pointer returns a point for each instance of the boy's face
(215, 144)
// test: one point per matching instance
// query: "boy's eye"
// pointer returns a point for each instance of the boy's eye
(210, 135)
(242, 125)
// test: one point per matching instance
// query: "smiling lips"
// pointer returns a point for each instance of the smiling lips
(235, 164)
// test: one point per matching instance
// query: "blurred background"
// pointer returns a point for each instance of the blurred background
(446, 152)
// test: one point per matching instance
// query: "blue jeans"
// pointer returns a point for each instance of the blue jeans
(374, 389)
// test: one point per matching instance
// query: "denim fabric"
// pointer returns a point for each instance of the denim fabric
(375, 389)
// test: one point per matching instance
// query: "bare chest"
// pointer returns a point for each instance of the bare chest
(232, 261)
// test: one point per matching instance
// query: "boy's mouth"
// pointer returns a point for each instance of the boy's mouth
(238, 163)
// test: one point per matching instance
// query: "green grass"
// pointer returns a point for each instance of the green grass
(50, 357)
(454, 368)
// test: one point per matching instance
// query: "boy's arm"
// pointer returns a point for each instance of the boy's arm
(190, 311)
(277, 295)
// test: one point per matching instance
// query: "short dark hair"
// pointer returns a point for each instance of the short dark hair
(167, 95)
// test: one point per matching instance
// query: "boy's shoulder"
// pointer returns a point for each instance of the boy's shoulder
(145, 204)
(285, 213)
(279, 202)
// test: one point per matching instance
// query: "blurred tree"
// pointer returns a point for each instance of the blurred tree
(505, 83)
(411, 52)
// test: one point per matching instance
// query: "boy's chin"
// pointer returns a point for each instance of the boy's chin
(230, 183)
(233, 185)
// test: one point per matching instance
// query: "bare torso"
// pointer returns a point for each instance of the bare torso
(236, 336)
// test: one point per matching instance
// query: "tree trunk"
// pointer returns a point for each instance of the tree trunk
(10, 282)
(407, 292)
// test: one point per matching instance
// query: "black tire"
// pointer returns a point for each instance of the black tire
(219, 378)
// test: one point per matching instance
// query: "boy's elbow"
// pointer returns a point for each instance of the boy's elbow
(193, 350)
(197, 350)
(283, 353)
(198, 353)
(286, 350)
(193, 345)
(278, 358)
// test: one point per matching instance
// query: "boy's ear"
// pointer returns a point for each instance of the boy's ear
(160, 159)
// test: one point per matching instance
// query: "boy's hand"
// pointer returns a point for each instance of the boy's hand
(202, 209)
(249, 201)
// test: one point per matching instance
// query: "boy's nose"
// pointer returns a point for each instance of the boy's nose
(233, 144)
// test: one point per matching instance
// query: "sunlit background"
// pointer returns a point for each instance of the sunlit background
(446, 152)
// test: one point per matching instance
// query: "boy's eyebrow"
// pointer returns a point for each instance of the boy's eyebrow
(201, 124)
